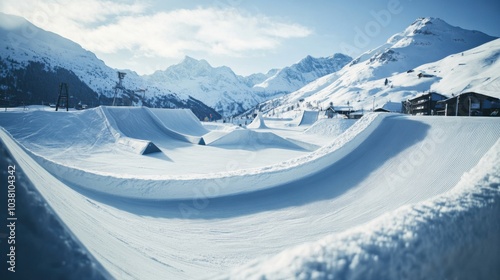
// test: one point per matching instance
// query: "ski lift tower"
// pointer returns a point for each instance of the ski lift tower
(63, 96)
(119, 85)
(143, 91)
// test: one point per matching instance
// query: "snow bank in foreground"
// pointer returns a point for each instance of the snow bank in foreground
(45, 247)
(453, 236)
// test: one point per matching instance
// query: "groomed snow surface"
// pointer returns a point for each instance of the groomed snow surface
(387, 197)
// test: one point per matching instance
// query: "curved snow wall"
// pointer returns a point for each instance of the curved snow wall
(49, 249)
(453, 236)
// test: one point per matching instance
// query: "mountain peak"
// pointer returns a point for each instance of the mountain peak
(303, 72)
(436, 35)
(426, 20)
(193, 62)
(427, 25)
(423, 30)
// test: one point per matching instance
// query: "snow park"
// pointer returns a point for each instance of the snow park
(381, 166)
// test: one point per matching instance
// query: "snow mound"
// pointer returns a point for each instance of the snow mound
(453, 236)
(252, 140)
(141, 147)
(258, 122)
(330, 127)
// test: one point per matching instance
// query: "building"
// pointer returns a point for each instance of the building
(470, 104)
(356, 115)
(424, 104)
(332, 111)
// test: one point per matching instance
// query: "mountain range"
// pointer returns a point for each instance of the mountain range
(293, 77)
(32, 64)
(229, 94)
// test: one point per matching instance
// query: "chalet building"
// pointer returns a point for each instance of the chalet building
(470, 104)
(382, 110)
(332, 111)
(356, 115)
(425, 104)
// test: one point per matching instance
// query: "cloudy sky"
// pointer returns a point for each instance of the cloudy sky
(248, 36)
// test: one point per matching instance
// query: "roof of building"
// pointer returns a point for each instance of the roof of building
(466, 93)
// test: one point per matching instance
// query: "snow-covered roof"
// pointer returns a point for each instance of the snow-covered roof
(391, 106)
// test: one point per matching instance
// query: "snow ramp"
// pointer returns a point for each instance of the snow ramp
(330, 127)
(181, 121)
(305, 118)
(309, 118)
(249, 140)
(156, 126)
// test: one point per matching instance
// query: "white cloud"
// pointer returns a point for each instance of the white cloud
(109, 27)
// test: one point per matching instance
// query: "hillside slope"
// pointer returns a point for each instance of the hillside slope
(376, 77)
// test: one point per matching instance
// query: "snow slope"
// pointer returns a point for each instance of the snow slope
(476, 70)
(452, 236)
(156, 125)
(305, 118)
(182, 121)
(223, 220)
(427, 40)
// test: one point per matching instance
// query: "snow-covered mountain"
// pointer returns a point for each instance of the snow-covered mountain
(363, 84)
(33, 62)
(305, 71)
(258, 78)
(218, 87)
(476, 70)
(229, 94)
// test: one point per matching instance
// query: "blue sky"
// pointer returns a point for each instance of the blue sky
(248, 36)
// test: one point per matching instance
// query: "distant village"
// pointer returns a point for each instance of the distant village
(432, 103)
(426, 104)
